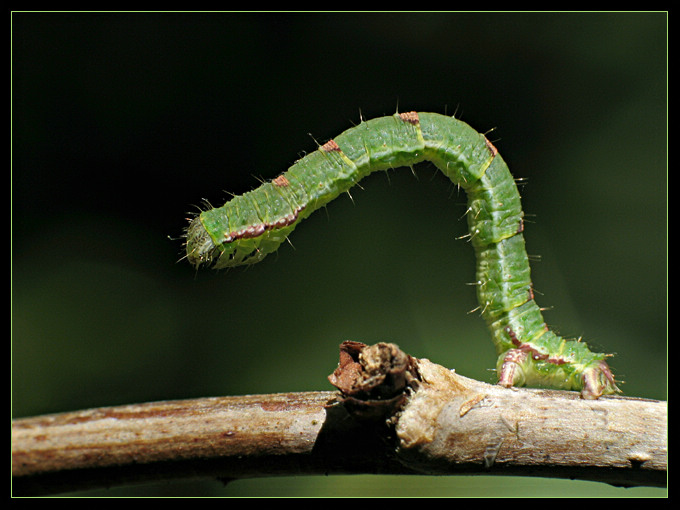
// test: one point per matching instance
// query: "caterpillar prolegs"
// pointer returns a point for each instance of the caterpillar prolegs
(250, 226)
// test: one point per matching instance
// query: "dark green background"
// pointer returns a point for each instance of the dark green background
(123, 122)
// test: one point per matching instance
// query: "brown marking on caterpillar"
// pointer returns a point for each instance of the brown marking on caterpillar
(520, 229)
(528, 349)
(330, 146)
(281, 181)
(513, 336)
(261, 228)
(246, 233)
(410, 117)
(537, 356)
(491, 147)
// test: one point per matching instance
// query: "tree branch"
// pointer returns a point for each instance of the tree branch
(394, 415)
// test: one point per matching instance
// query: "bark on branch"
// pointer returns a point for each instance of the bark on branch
(394, 415)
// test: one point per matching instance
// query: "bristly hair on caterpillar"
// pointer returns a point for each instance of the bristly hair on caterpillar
(252, 225)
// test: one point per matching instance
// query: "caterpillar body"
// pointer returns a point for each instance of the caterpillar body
(250, 226)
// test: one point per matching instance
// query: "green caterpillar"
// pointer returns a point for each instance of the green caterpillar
(250, 226)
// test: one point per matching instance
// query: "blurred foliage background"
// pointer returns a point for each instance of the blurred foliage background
(122, 123)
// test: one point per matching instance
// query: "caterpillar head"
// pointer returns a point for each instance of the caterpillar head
(200, 247)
